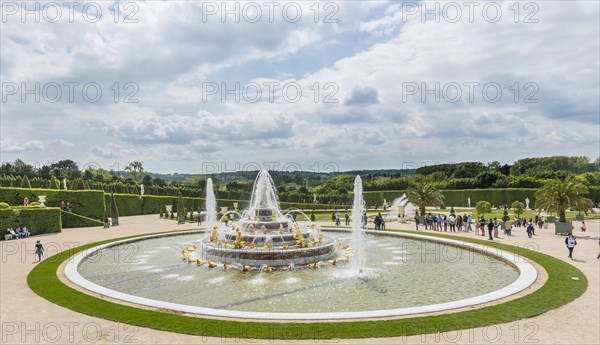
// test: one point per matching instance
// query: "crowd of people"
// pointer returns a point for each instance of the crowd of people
(20, 232)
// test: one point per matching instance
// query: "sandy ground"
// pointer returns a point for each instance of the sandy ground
(26, 318)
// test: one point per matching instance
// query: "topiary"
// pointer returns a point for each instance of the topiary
(4, 206)
(25, 182)
(34, 204)
(114, 211)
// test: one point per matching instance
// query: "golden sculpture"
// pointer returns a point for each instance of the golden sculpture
(212, 264)
(268, 269)
(246, 268)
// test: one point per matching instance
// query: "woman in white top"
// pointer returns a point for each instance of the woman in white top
(571, 242)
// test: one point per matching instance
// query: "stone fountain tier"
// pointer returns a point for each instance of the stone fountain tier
(275, 256)
(248, 225)
(272, 237)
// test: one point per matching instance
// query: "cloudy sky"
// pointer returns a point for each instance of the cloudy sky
(194, 87)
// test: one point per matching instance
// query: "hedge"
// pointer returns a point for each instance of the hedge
(37, 220)
(128, 204)
(89, 203)
(73, 220)
(457, 198)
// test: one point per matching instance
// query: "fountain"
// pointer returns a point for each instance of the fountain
(401, 209)
(262, 236)
(211, 203)
(237, 270)
(357, 233)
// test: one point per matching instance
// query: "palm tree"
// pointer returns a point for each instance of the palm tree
(423, 194)
(560, 195)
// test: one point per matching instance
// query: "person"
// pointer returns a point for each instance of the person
(199, 218)
(26, 201)
(13, 233)
(417, 221)
(382, 222)
(495, 228)
(337, 218)
(583, 227)
(530, 228)
(378, 219)
(598, 257)
(39, 250)
(469, 222)
(365, 219)
(452, 222)
(347, 217)
(62, 205)
(439, 222)
(26, 232)
(570, 242)
(490, 227)
(508, 227)
(482, 226)
(445, 221)
(7, 235)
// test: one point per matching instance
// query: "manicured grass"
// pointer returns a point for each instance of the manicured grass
(559, 290)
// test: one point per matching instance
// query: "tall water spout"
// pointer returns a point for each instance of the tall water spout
(211, 203)
(264, 194)
(358, 210)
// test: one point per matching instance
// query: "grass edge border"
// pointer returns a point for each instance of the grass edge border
(43, 280)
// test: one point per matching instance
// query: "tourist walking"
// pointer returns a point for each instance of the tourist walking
(583, 227)
(347, 217)
(490, 227)
(530, 228)
(469, 222)
(39, 250)
(571, 242)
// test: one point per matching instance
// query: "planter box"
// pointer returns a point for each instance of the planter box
(551, 219)
(579, 217)
(115, 221)
(106, 225)
(181, 220)
(421, 220)
(563, 228)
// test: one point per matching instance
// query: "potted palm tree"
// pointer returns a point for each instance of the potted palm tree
(558, 196)
(423, 194)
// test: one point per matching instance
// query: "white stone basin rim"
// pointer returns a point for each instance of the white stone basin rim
(527, 276)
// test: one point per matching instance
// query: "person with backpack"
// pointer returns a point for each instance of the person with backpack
(570, 242)
(530, 228)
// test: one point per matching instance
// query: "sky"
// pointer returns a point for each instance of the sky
(202, 87)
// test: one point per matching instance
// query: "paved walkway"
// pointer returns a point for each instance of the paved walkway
(26, 318)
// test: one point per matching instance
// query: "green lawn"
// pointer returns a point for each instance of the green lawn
(559, 290)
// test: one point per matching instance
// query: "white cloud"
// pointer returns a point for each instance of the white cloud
(11, 146)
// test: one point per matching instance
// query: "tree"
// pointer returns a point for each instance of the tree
(483, 207)
(518, 207)
(25, 182)
(423, 194)
(559, 195)
(135, 170)
(78, 184)
(54, 183)
(114, 211)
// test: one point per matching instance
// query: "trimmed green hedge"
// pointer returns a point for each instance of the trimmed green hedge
(500, 196)
(89, 203)
(73, 220)
(127, 204)
(37, 220)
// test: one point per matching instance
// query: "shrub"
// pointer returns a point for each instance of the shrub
(89, 203)
(129, 204)
(37, 220)
(54, 183)
(114, 210)
(4, 206)
(25, 182)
